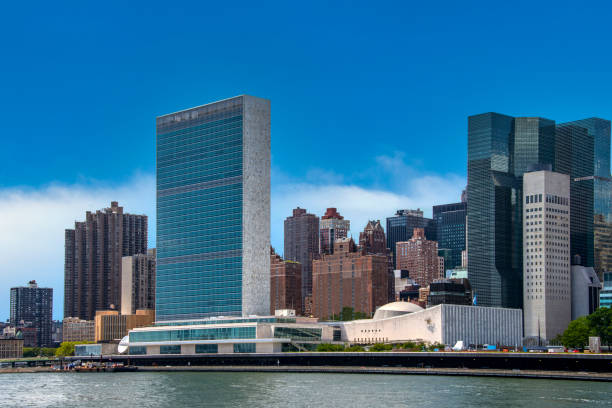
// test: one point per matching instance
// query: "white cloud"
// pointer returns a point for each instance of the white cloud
(360, 204)
(33, 221)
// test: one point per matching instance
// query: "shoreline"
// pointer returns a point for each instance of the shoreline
(470, 372)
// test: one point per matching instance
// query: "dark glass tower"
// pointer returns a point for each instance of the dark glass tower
(575, 157)
(594, 182)
(492, 189)
(450, 221)
(500, 150)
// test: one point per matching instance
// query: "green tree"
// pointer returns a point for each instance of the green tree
(360, 315)
(577, 333)
(47, 351)
(31, 351)
(600, 322)
(346, 314)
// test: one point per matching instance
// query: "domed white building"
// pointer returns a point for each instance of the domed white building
(396, 309)
(404, 321)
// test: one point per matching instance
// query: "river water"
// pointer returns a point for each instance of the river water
(192, 389)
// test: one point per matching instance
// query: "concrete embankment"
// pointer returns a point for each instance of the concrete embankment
(557, 375)
(550, 375)
(548, 362)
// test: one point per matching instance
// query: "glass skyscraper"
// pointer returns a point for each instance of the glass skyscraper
(598, 185)
(500, 150)
(450, 221)
(213, 210)
(491, 192)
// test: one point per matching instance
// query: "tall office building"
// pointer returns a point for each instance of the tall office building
(419, 256)
(401, 227)
(372, 241)
(213, 210)
(302, 245)
(450, 221)
(348, 278)
(333, 226)
(34, 307)
(500, 150)
(372, 238)
(547, 296)
(92, 262)
(138, 282)
(285, 284)
(592, 182)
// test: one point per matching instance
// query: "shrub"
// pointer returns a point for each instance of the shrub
(381, 347)
(330, 347)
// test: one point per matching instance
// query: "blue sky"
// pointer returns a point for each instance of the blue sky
(369, 101)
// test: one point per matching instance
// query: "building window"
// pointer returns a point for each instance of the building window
(297, 333)
(244, 348)
(175, 349)
(137, 350)
(207, 348)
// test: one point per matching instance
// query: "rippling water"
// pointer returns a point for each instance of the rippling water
(291, 390)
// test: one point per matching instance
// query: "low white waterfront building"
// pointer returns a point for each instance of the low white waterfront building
(445, 324)
(392, 323)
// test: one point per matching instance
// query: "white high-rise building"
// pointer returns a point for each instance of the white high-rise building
(547, 304)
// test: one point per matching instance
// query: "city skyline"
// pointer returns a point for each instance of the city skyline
(356, 152)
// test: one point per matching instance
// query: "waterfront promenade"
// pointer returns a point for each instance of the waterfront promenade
(575, 366)
(494, 364)
(571, 362)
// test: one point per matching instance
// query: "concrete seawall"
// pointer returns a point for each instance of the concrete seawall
(596, 363)
(534, 374)
(550, 375)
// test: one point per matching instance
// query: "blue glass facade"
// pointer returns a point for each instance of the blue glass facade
(87, 349)
(207, 348)
(605, 296)
(173, 349)
(199, 214)
(220, 333)
(202, 168)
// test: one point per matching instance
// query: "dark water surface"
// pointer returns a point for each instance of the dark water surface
(292, 390)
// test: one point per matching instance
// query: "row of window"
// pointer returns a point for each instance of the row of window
(199, 349)
(298, 333)
(193, 334)
(550, 198)
(211, 156)
(198, 145)
(237, 117)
